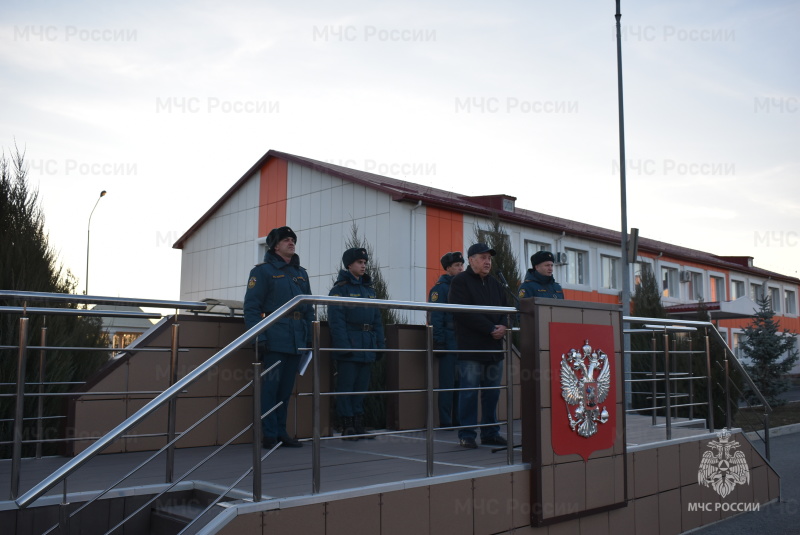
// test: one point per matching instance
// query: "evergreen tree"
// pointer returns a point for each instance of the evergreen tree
(29, 263)
(772, 354)
(646, 300)
(646, 303)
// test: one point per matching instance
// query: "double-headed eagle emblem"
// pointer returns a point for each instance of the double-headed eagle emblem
(585, 382)
(720, 469)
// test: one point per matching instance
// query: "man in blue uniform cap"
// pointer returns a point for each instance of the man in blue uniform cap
(539, 281)
(271, 284)
(444, 337)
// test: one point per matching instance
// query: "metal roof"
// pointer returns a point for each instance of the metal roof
(491, 206)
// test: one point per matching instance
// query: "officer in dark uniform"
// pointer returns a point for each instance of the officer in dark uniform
(444, 337)
(539, 281)
(271, 284)
(354, 327)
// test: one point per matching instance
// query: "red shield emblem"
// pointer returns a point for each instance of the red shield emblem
(582, 388)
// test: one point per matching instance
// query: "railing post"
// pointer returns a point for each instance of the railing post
(709, 384)
(727, 392)
(654, 377)
(172, 404)
(667, 389)
(674, 363)
(40, 401)
(766, 433)
(509, 395)
(691, 379)
(257, 431)
(429, 399)
(19, 410)
(315, 411)
(63, 512)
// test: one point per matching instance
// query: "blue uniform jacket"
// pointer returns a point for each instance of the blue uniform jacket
(538, 285)
(354, 327)
(444, 333)
(270, 285)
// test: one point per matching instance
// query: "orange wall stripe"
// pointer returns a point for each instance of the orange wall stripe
(272, 196)
(592, 297)
(444, 233)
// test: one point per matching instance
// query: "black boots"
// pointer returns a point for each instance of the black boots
(348, 427)
(359, 426)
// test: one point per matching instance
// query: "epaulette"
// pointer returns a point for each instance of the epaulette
(340, 283)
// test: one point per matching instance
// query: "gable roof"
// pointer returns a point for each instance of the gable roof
(488, 206)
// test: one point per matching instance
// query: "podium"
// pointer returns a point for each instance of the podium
(572, 408)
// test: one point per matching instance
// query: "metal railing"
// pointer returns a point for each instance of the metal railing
(168, 396)
(22, 356)
(62, 473)
(670, 375)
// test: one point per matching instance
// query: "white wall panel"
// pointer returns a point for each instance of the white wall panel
(359, 201)
(315, 210)
(347, 213)
(307, 180)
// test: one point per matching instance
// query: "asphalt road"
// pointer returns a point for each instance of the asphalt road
(778, 518)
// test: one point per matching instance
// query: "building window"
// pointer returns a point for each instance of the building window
(577, 266)
(756, 292)
(737, 344)
(695, 289)
(609, 272)
(775, 299)
(669, 282)
(717, 288)
(639, 269)
(790, 302)
(532, 247)
(737, 289)
(121, 340)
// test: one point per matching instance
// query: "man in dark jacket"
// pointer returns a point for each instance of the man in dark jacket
(271, 284)
(539, 281)
(444, 337)
(354, 327)
(482, 332)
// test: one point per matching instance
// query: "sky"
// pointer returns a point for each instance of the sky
(166, 104)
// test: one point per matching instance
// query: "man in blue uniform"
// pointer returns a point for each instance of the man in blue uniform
(354, 327)
(444, 337)
(539, 281)
(271, 284)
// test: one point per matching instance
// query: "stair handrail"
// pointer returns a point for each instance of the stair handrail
(132, 421)
(718, 337)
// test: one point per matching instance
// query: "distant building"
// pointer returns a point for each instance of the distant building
(120, 332)
(411, 226)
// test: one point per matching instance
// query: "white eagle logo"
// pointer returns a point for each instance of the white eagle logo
(585, 383)
(721, 470)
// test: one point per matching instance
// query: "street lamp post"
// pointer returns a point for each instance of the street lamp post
(626, 291)
(626, 284)
(88, 230)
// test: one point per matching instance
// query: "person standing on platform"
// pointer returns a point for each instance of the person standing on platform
(354, 327)
(444, 337)
(539, 281)
(474, 286)
(271, 284)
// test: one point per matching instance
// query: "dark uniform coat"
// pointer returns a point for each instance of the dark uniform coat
(272, 284)
(538, 285)
(444, 334)
(354, 327)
